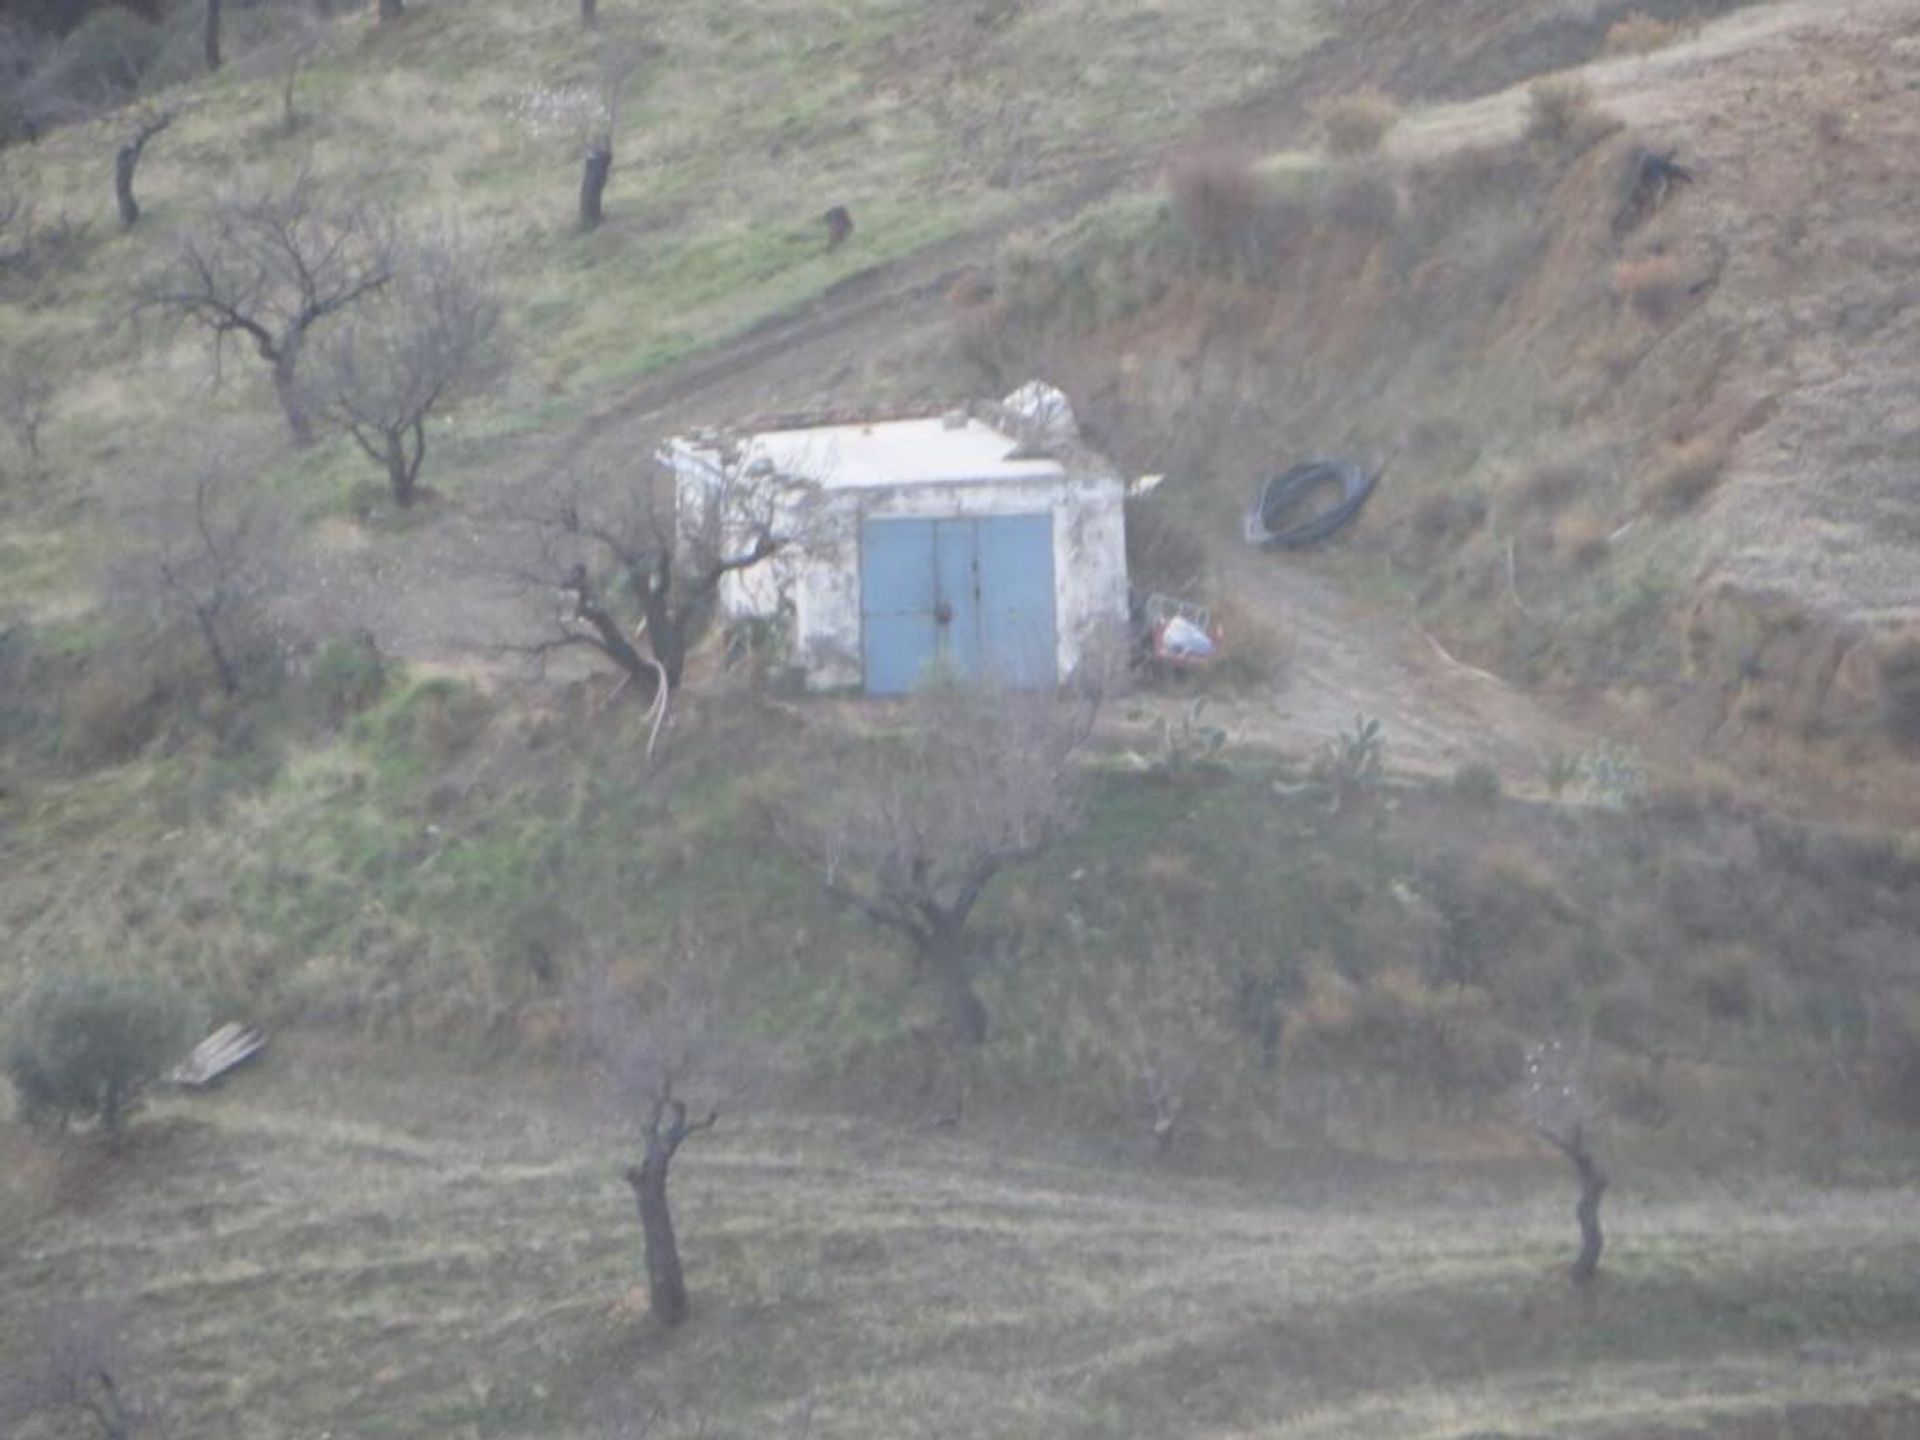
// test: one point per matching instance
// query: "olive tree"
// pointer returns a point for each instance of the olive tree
(88, 1045)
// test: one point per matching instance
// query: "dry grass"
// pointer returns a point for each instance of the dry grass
(470, 1265)
(1642, 34)
(1582, 540)
(1654, 285)
(1548, 486)
(1684, 472)
(1357, 124)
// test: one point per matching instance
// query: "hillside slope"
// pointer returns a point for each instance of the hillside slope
(339, 1247)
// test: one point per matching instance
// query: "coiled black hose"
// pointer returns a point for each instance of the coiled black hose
(1279, 495)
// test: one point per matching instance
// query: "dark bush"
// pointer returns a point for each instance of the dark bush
(1477, 783)
(87, 1046)
(348, 676)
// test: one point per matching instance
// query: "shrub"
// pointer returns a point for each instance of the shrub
(1684, 472)
(114, 713)
(88, 1045)
(1218, 201)
(1564, 117)
(348, 676)
(1641, 34)
(1356, 124)
(1654, 285)
(1899, 665)
(1550, 485)
(1477, 783)
(1257, 647)
(1164, 548)
(1582, 539)
(1559, 772)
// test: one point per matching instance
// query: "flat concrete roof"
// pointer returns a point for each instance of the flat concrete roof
(898, 452)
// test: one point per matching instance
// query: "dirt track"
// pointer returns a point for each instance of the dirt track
(1347, 659)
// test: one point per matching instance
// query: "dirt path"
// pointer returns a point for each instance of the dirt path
(1352, 658)
(1348, 658)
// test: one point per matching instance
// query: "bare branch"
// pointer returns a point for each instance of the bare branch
(425, 338)
(271, 269)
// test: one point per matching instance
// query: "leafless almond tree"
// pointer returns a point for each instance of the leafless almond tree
(212, 560)
(84, 1374)
(634, 577)
(27, 392)
(427, 335)
(642, 1046)
(1559, 1103)
(269, 270)
(909, 831)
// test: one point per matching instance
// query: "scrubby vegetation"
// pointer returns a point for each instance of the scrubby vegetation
(1258, 1069)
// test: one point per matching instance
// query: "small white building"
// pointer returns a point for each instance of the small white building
(930, 543)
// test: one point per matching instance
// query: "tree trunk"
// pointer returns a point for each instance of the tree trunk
(403, 468)
(951, 959)
(391, 10)
(666, 1286)
(593, 183)
(1593, 1187)
(587, 13)
(286, 390)
(211, 36)
(216, 652)
(124, 165)
(666, 633)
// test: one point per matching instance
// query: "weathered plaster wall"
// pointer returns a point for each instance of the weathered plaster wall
(822, 581)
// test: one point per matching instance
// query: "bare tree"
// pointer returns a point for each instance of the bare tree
(408, 350)
(210, 34)
(298, 33)
(642, 1046)
(392, 10)
(589, 13)
(212, 562)
(269, 270)
(909, 832)
(127, 159)
(638, 569)
(82, 1374)
(27, 391)
(1558, 1100)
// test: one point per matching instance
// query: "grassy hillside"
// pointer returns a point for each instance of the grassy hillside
(332, 1247)
(409, 1219)
(735, 132)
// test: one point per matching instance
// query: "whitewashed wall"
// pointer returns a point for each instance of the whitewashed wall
(821, 581)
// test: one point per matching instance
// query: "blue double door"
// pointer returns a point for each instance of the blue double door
(973, 598)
